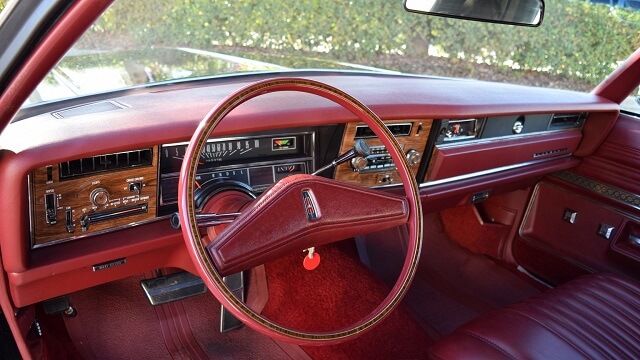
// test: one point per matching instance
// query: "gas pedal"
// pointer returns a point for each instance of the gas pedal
(173, 287)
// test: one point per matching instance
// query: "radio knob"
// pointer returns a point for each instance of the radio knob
(358, 163)
(413, 157)
(99, 197)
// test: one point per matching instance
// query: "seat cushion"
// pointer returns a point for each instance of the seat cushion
(594, 317)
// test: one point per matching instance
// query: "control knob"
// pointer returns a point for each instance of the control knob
(358, 163)
(413, 157)
(99, 197)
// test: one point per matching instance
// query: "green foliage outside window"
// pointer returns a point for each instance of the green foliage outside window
(577, 40)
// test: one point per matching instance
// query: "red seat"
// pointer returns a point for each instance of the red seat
(594, 317)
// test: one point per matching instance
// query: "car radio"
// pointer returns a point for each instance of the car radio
(378, 168)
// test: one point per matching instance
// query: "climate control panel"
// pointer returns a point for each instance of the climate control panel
(93, 195)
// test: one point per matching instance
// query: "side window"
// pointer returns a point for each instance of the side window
(632, 103)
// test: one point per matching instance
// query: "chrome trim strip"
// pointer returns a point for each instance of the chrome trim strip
(109, 264)
(534, 277)
(490, 171)
(611, 192)
(410, 124)
(448, 145)
(98, 232)
(31, 200)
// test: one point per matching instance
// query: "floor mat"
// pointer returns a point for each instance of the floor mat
(340, 291)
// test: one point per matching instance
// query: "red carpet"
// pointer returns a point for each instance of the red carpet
(340, 291)
(115, 320)
(463, 227)
(56, 343)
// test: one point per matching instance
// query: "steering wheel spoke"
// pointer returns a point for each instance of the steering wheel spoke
(300, 212)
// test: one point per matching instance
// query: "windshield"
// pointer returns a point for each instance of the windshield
(136, 43)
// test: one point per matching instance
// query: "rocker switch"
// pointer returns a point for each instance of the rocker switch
(606, 231)
(570, 216)
(69, 221)
(135, 187)
(50, 208)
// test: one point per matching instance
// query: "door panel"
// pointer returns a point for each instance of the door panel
(617, 160)
(587, 219)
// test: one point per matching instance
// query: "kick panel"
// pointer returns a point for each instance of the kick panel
(91, 201)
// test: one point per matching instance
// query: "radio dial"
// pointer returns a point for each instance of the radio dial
(413, 157)
(359, 163)
(99, 197)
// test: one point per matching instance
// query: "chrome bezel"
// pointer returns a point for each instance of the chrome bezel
(410, 124)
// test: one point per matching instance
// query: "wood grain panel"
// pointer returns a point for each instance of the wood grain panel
(74, 195)
(417, 140)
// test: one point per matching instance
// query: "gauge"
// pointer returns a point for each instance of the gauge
(171, 157)
(224, 151)
(217, 153)
(241, 175)
(285, 143)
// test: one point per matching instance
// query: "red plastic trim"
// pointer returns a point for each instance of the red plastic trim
(617, 86)
(466, 159)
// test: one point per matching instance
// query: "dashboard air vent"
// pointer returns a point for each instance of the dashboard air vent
(86, 109)
(562, 121)
(403, 129)
(95, 164)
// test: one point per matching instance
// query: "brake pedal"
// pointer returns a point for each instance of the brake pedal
(173, 287)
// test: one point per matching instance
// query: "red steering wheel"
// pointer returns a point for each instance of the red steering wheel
(298, 212)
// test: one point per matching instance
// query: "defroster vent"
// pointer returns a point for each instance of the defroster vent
(100, 163)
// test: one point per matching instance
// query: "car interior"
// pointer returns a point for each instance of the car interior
(312, 214)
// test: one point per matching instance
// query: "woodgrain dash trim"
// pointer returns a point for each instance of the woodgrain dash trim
(74, 195)
(416, 140)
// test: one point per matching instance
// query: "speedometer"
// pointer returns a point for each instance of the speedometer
(223, 152)
(217, 152)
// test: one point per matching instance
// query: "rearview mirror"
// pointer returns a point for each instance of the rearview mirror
(512, 12)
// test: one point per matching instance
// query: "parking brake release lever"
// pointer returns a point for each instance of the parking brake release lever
(360, 148)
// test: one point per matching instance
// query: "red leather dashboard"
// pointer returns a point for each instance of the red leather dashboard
(170, 114)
